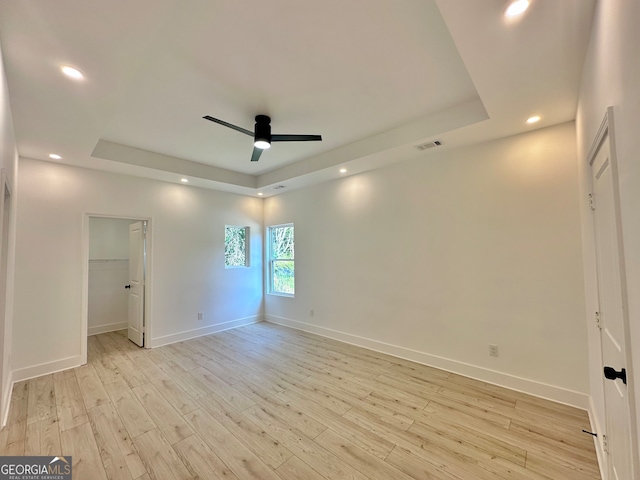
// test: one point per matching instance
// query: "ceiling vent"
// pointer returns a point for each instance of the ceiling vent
(428, 145)
(278, 187)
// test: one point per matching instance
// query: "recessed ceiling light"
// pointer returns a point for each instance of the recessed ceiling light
(343, 170)
(534, 119)
(55, 156)
(517, 7)
(72, 72)
(184, 180)
(260, 194)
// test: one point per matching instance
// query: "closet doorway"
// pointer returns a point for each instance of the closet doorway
(117, 273)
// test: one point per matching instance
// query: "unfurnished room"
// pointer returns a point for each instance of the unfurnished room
(285, 240)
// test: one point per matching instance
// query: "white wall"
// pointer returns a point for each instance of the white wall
(611, 77)
(108, 306)
(9, 163)
(187, 256)
(108, 274)
(437, 258)
(108, 238)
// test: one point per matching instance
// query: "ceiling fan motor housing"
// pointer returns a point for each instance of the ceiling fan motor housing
(263, 128)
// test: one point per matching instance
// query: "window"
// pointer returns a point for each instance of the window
(281, 261)
(235, 247)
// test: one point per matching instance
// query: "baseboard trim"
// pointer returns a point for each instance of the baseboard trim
(524, 385)
(594, 421)
(199, 332)
(34, 371)
(109, 327)
(6, 399)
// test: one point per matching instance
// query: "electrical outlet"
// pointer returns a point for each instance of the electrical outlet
(200, 316)
(493, 350)
(312, 312)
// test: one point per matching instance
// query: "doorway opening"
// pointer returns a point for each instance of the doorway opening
(116, 286)
(617, 442)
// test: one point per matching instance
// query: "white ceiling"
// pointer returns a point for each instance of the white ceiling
(373, 77)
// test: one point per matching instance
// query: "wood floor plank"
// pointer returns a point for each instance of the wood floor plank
(554, 470)
(296, 469)
(119, 456)
(141, 359)
(324, 396)
(317, 457)
(101, 360)
(80, 443)
(487, 444)
(14, 439)
(358, 458)
(171, 391)
(365, 439)
(179, 356)
(201, 461)
(188, 383)
(294, 416)
(269, 402)
(415, 467)
(135, 418)
(42, 399)
(257, 439)
(242, 461)
(163, 414)
(43, 438)
(92, 389)
(159, 458)
(19, 403)
(220, 388)
(129, 371)
(69, 403)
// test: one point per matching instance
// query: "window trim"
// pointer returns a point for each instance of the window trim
(247, 237)
(270, 262)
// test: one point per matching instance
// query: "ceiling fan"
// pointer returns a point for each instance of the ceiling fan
(262, 136)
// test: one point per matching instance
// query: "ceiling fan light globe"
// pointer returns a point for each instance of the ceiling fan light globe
(262, 144)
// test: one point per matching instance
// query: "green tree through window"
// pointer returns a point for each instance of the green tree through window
(281, 259)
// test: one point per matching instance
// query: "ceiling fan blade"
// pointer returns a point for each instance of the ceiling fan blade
(226, 124)
(255, 156)
(296, 138)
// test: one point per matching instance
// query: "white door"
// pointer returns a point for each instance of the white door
(136, 282)
(612, 321)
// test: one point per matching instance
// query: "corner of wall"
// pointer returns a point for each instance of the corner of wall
(200, 332)
(9, 162)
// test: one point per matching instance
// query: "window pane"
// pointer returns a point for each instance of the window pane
(281, 259)
(235, 247)
(283, 276)
(282, 242)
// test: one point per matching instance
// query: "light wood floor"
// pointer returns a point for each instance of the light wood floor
(271, 403)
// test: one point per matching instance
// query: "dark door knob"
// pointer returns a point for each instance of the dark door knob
(127, 286)
(611, 374)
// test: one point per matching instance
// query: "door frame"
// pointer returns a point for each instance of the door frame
(148, 288)
(5, 311)
(607, 128)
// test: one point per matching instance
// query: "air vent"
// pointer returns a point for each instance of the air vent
(428, 145)
(278, 187)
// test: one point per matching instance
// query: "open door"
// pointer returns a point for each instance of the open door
(136, 282)
(611, 298)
